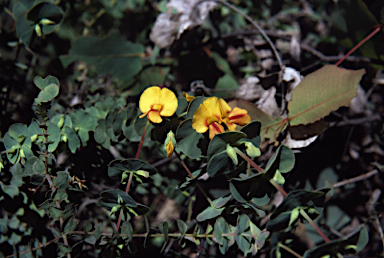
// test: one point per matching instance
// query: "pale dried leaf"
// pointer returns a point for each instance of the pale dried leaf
(297, 144)
(268, 104)
(169, 26)
(293, 76)
(357, 105)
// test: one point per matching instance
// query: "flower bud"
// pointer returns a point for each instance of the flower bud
(232, 154)
(252, 150)
(38, 30)
(46, 21)
(114, 209)
(124, 176)
(170, 143)
(61, 121)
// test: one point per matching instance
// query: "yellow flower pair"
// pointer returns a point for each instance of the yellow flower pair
(214, 112)
(156, 102)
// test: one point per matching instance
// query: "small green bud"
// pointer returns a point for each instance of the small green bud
(232, 154)
(22, 153)
(64, 138)
(120, 200)
(252, 150)
(38, 30)
(114, 209)
(142, 173)
(33, 138)
(278, 178)
(61, 121)
(124, 176)
(46, 21)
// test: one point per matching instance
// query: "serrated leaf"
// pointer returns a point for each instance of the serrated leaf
(111, 55)
(322, 92)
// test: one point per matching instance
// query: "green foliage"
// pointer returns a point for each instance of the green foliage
(62, 166)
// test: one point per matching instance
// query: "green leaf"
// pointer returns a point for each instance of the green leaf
(111, 55)
(226, 86)
(244, 189)
(54, 136)
(354, 243)
(322, 92)
(73, 139)
(154, 75)
(127, 229)
(43, 83)
(117, 167)
(49, 93)
(219, 143)
(182, 227)
(164, 230)
(110, 198)
(283, 160)
(306, 200)
(29, 15)
(188, 139)
(220, 164)
(71, 224)
(209, 213)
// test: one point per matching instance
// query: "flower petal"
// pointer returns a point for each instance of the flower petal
(239, 116)
(224, 108)
(148, 98)
(154, 116)
(169, 102)
(188, 97)
(199, 120)
(215, 128)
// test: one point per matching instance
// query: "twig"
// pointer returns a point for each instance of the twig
(289, 250)
(356, 179)
(359, 44)
(358, 121)
(248, 18)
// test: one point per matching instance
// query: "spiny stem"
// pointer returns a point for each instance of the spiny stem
(192, 177)
(359, 44)
(305, 215)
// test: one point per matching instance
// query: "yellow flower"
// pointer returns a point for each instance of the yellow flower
(156, 102)
(189, 98)
(215, 111)
(237, 116)
(208, 117)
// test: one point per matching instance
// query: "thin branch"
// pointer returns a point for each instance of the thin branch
(248, 18)
(356, 179)
(359, 44)
(289, 250)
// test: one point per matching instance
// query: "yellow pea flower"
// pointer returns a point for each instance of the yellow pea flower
(156, 102)
(189, 98)
(208, 117)
(237, 116)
